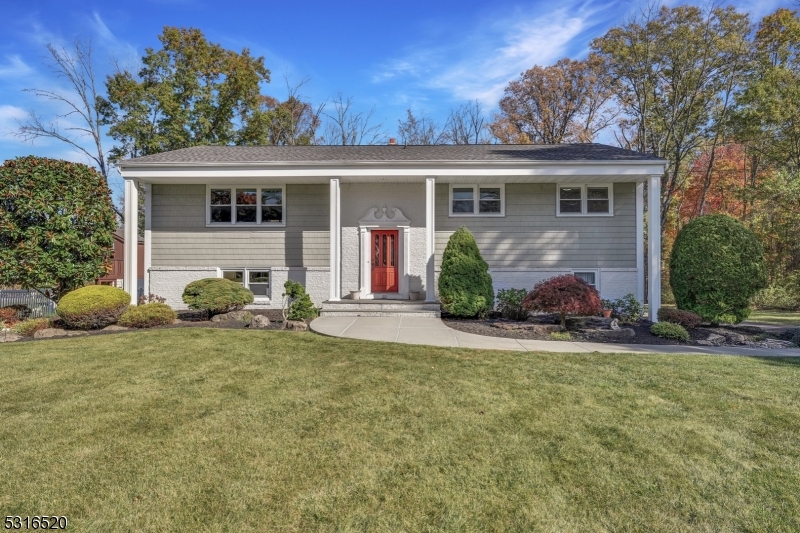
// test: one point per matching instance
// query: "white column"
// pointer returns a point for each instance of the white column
(430, 238)
(640, 241)
(654, 244)
(336, 241)
(148, 223)
(131, 212)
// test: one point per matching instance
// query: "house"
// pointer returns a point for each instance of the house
(115, 271)
(370, 223)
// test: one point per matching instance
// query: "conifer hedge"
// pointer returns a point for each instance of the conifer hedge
(465, 285)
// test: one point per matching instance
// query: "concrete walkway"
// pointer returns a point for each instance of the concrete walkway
(433, 332)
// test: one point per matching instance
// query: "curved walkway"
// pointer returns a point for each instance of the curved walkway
(433, 332)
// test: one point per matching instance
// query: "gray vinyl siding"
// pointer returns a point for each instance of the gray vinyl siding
(531, 236)
(180, 236)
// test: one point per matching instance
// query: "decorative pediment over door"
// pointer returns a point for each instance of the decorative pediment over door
(383, 217)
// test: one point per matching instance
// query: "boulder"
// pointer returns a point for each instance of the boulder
(57, 332)
(613, 334)
(588, 322)
(542, 329)
(237, 316)
(734, 338)
(715, 339)
(7, 336)
(114, 327)
(704, 343)
(259, 321)
(296, 325)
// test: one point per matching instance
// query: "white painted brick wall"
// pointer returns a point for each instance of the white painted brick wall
(169, 282)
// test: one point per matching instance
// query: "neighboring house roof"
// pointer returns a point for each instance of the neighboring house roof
(587, 152)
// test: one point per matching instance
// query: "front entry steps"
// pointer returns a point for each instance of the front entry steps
(380, 308)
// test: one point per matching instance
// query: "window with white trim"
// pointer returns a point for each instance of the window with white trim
(255, 279)
(477, 200)
(246, 205)
(589, 276)
(585, 200)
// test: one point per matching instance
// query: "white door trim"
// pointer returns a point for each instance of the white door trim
(379, 219)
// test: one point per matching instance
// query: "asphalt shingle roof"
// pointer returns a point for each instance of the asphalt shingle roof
(387, 153)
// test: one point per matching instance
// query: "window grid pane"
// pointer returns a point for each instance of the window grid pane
(588, 277)
(234, 275)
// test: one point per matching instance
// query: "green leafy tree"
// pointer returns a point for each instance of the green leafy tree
(675, 69)
(465, 285)
(56, 224)
(717, 266)
(190, 92)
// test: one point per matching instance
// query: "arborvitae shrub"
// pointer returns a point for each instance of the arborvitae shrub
(93, 306)
(148, 316)
(465, 286)
(216, 295)
(565, 295)
(717, 266)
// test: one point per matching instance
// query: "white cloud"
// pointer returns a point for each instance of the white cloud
(9, 115)
(15, 67)
(487, 58)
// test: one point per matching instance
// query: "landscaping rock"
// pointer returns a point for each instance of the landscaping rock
(296, 325)
(259, 321)
(704, 343)
(56, 332)
(542, 329)
(7, 336)
(238, 316)
(735, 338)
(589, 322)
(612, 334)
(114, 327)
(715, 340)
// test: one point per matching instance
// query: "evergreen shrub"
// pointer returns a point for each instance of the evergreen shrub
(668, 330)
(717, 266)
(216, 296)
(300, 306)
(92, 306)
(148, 316)
(465, 285)
(509, 303)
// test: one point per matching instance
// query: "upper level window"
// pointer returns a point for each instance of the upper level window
(477, 200)
(246, 205)
(587, 200)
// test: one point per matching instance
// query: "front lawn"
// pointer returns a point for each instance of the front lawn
(235, 430)
(776, 317)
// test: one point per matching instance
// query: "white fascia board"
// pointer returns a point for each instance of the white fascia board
(397, 168)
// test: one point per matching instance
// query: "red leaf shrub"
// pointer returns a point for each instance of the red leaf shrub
(8, 316)
(686, 319)
(565, 295)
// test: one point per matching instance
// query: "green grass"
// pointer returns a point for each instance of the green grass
(775, 316)
(236, 430)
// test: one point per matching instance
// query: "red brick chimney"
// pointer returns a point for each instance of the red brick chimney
(392, 141)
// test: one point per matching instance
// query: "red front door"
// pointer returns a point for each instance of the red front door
(384, 260)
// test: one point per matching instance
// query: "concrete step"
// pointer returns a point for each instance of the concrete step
(354, 313)
(380, 308)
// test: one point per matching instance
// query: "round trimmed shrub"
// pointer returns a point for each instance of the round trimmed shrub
(300, 306)
(216, 296)
(93, 306)
(668, 330)
(565, 295)
(465, 286)
(717, 266)
(147, 316)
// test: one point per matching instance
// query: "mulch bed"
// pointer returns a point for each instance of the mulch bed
(641, 329)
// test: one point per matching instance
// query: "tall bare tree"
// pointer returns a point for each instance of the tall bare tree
(80, 107)
(418, 130)
(466, 125)
(565, 102)
(346, 127)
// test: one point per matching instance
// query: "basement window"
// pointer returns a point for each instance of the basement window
(255, 279)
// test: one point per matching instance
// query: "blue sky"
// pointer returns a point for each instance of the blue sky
(431, 56)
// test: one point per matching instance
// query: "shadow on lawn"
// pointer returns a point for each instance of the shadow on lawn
(791, 360)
